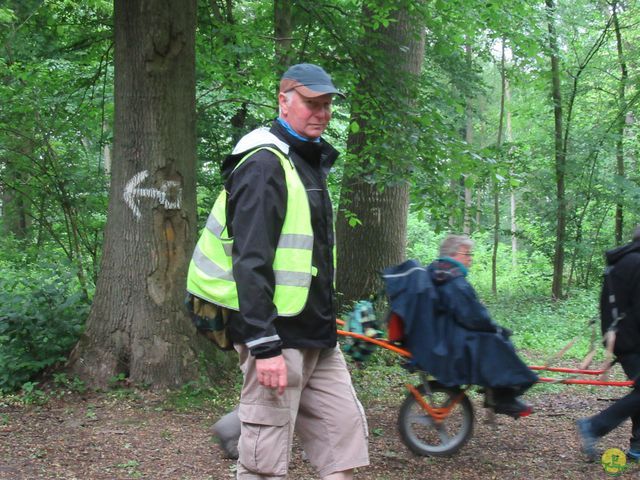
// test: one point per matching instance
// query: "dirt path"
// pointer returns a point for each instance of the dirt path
(98, 437)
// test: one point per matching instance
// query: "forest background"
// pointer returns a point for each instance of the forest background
(511, 121)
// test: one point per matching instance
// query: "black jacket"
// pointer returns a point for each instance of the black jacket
(624, 280)
(257, 198)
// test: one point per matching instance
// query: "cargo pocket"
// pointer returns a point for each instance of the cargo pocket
(264, 441)
(363, 416)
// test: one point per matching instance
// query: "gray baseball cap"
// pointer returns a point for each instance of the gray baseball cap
(308, 80)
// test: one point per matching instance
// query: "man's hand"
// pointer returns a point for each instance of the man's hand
(272, 372)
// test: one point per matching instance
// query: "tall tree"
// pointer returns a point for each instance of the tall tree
(496, 182)
(137, 326)
(512, 192)
(568, 123)
(468, 137)
(372, 221)
(622, 119)
(14, 212)
(283, 12)
(559, 153)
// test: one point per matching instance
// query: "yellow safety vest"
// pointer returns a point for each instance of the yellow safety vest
(210, 271)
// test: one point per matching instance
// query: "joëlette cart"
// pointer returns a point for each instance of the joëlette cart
(436, 420)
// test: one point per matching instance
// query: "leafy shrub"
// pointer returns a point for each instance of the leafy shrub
(545, 327)
(422, 242)
(41, 317)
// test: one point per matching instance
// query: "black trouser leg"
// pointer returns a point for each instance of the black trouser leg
(611, 417)
(626, 407)
(631, 366)
(504, 394)
(634, 441)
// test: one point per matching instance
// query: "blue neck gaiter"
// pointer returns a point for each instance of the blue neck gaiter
(462, 268)
(296, 134)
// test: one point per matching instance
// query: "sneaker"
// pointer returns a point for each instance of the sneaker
(227, 433)
(633, 455)
(514, 408)
(587, 439)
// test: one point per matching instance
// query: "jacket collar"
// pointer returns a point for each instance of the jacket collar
(317, 153)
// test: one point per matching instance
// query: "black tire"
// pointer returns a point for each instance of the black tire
(422, 435)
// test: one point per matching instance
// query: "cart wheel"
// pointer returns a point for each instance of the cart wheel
(423, 435)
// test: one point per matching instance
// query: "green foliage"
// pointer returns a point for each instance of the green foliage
(422, 242)
(64, 384)
(544, 327)
(121, 389)
(203, 395)
(57, 75)
(118, 380)
(41, 317)
(530, 274)
(32, 395)
(381, 378)
(131, 467)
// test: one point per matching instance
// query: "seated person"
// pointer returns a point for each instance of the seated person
(450, 334)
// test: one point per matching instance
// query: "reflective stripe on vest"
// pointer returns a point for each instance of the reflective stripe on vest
(210, 271)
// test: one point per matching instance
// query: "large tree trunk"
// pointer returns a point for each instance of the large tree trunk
(560, 156)
(137, 325)
(379, 240)
(622, 118)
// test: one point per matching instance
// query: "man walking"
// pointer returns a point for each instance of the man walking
(620, 313)
(267, 255)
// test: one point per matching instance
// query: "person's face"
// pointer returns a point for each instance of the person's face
(464, 256)
(307, 116)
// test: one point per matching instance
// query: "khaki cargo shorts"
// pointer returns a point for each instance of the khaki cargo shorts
(319, 403)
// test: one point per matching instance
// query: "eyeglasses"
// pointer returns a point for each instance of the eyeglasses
(468, 254)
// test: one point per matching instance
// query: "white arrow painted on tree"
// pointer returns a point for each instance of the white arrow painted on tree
(169, 194)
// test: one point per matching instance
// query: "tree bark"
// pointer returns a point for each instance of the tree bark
(512, 194)
(379, 240)
(622, 118)
(14, 208)
(138, 325)
(283, 15)
(560, 156)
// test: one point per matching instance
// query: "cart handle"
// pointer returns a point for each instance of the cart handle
(579, 371)
(383, 343)
(580, 381)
